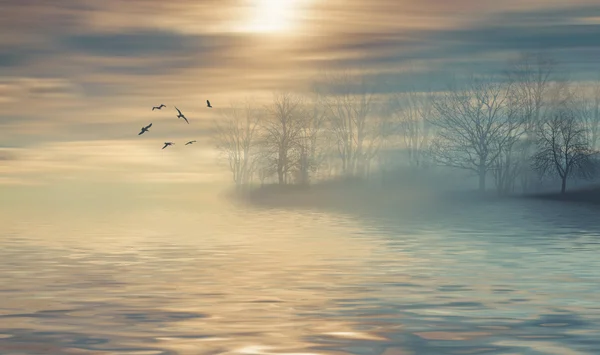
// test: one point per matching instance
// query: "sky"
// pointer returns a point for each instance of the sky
(78, 78)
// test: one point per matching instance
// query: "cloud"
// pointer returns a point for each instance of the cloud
(110, 161)
(134, 44)
(483, 46)
(91, 70)
(506, 31)
(7, 154)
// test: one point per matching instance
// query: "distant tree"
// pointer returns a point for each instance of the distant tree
(474, 124)
(563, 147)
(266, 163)
(411, 115)
(311, 148)
(283, 130)
(509, 163)
(236, 137)
(349, 103)
(531, 77)
(589, 106)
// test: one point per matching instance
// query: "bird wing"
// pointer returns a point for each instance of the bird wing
(178, 110)
(153, 108)
(148, 126)
(141, 132)
(165, 146)
(186, 120)
(208, 102)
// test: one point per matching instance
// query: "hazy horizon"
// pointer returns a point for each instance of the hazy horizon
(78, 79)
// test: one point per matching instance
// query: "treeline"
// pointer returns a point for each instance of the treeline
(519, 128)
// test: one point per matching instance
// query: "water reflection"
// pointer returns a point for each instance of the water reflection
(502, 278)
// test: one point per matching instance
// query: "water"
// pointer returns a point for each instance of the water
(185, 277)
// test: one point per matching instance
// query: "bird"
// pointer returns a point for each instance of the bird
(158, 107)
(145, 129)
(167, 144)
(190, 142)
(208, 104)
(180, 115)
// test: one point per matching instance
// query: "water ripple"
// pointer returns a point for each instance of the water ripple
(500, 279)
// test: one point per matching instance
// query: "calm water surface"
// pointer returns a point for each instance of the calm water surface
(509, 277)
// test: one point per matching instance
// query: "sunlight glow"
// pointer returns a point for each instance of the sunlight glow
(269, 16)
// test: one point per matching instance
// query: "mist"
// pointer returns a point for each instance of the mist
(350, 177)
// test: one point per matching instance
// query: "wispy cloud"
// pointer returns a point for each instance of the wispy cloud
(83, 71)
(109, 161)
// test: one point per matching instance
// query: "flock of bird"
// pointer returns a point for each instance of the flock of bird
(179, 115)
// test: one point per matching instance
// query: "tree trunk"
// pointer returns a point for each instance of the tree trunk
(563, 186)
(482, 180)
(280, 174)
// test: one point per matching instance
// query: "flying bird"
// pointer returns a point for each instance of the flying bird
(158, 107)
(180, 115)
(145, 129)
(208, 104)
(190, 142)
(167, 144)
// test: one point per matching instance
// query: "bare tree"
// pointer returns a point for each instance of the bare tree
(283, 131)
(531, 78)
(589, 106)
(349, 102)
(563, 147)
(311, 148)
(509, 164)
(235, 136)
(377, 135)
(474, 125)
(266, 163)
(412, 113)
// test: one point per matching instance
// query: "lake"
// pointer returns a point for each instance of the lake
(94, 273)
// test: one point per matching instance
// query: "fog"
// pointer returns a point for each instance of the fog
(339, 221)
(346, 177)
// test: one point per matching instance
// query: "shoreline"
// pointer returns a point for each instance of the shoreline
(590, 195)
(359, 197)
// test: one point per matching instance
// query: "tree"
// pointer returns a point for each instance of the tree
(310, 147)
(235, 136)
(349, 103)
(474, 124)
(283, 130)
(563, 147)
(508, 164)
(412, 112)
(589, 105)
(530, 77)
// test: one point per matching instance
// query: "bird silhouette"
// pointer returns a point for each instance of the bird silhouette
(180, 115)
(167, 144)
(190, 142)
(208, 104)
(145, 129)
(158, 107)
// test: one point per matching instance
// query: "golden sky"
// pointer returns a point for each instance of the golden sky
(76, 71)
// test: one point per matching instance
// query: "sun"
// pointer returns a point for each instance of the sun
(270, 16)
